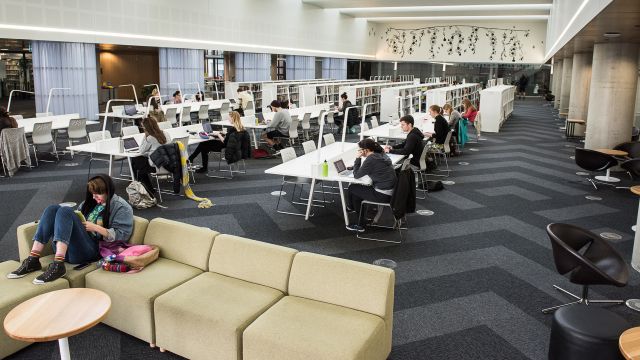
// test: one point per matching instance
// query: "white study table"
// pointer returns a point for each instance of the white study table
(424, 122)
(248, 125)
(308, 165)
(111, 147)
(300, 111)
(58, 122)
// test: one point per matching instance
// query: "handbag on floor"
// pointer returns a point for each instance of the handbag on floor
(139, 196)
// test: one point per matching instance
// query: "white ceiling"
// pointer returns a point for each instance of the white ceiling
(439, 10)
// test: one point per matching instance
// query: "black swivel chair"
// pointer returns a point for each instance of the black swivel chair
(631, 147)
(589, 259)
(593, 161)
(632, 167)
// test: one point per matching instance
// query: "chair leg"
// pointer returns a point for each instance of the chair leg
(584, 299)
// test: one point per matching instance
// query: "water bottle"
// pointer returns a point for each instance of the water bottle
(325, 169)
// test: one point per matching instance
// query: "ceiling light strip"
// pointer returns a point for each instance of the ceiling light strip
(175, 39)
(448, 18)
(446, 8)
(566, 28)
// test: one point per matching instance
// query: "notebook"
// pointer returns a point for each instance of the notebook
(342, 169)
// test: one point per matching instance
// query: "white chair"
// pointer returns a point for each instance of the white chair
(306, 125)
(17, 117)
(374, 122)
(185, 116)
(77, 131)
(172, 116)
(42, 136)
(289, 154)
(117, 110)
(130, 130)
(203, 113)
(445, 152)
(225, 108)
(330, 120)
(293, 130)
(164, 125)
(422, 173)
(309, 146)
(95, 136)
(364, 127)
(328, 139)
(44, 114)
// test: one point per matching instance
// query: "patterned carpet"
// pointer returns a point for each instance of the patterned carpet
(471, 279)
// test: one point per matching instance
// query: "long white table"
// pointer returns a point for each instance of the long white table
(308, 166)
(251, 125)
(195, 106)
(313, 109)
(423, 121)
(111, 147)
(58, 122)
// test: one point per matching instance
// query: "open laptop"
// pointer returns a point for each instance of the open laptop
(261, 120)
(342, 169)
(207, 127)
(130, 110)
(232, 101)
(130, 144)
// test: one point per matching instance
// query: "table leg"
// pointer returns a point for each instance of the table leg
(64, 349)
(310, 201)
(110, 163)
(635, 257)
(130, 168)
(344, 204)
(255, 139)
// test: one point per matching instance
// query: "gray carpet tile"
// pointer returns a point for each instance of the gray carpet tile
(471, 279)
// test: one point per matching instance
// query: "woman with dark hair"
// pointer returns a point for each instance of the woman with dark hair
(142, 166)
(6, 121)
(353, 113)
(383, 178)
(441, 127)
(107, 217)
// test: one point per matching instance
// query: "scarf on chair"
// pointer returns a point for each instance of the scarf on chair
(203, 203)
(462, 132)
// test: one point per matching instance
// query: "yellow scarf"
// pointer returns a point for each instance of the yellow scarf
(203, 203)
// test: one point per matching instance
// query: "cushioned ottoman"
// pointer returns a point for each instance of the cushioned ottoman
(15, 291)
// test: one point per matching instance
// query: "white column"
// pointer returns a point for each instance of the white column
(579, 96)
(614, 77)
(557, 81)
(565, 87)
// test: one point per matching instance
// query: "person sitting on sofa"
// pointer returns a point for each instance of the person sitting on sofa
(108, 217)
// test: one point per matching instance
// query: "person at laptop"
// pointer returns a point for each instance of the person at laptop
(107, 217)
(142, 165)
(177, 97)
(278, 127)
(237, 131)
(372, 161)
(441, 127)
(412, 144)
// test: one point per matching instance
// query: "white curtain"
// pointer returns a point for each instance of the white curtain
(253, 67)
(180, 66)
(333, 68)
(66, 65)
(301, 67)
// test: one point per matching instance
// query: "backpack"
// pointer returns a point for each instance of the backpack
(260, 154)
(434, 186)
(139, 196)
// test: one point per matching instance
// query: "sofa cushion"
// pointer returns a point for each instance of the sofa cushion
(297, 328)
(132, 295)
(184, 243)
(255, 261)
(343, 282)
(15, 291)
(204, 318)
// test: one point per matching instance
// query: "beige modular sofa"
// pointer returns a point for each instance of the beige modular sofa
(212, 295)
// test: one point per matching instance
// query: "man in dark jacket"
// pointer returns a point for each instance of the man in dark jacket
(413, 143)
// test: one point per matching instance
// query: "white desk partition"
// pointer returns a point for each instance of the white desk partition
(58, 122)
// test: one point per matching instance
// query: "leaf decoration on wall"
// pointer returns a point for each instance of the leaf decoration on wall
(458, 40)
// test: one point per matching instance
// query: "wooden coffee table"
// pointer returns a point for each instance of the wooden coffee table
(629, 343)
(611, 152)
(57, 315)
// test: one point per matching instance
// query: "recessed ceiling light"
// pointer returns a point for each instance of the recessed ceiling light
(4, 49)
(611, 35)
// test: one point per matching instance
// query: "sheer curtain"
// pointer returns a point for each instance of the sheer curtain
(301, 67)
(333, 68)
(180, 66)
(253, 67)
(66, 65)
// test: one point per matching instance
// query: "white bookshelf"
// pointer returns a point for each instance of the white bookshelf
(496, 105)
(407, 99)
(454, 95)
(322, 93)
(359, 95)
(294, 91)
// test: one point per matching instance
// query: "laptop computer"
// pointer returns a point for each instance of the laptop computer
(130, 144)
(130, 110)
(232, 101)
(261, 120)
(207, 127)
(342, 169)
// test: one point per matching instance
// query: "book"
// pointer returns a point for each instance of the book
(80, 215)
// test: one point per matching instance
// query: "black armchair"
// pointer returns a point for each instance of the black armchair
(593, 161)
(631, 147)
(589, 259)
(632, 167)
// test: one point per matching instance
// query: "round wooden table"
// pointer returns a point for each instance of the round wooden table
(611, 152)
(57, 315)
(629, 343)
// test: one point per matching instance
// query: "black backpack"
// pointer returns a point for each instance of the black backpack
(434, 186)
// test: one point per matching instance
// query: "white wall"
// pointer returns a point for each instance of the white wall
(530, 50)
(562, 12)
(274, 26)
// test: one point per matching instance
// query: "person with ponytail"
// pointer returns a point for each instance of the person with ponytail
(379, 168)
(142, 165)
(441, 127)
(6, 121)
(105, 217)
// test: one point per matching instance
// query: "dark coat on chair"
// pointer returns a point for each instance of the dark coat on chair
(237, 146)
(168, 157)
(403, 200)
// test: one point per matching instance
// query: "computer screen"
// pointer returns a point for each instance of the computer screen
(340, 167)
(130, 110)
(130, 144)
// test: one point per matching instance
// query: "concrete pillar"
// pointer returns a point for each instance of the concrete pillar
(557, 81)
(614, 77)
(579, 95)
(565, 87)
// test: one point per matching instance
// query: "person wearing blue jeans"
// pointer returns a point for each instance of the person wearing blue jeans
(107, 217)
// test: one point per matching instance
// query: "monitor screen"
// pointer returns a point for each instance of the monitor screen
(130, 143)
(260, 118)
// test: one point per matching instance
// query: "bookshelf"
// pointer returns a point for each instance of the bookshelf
(14, 76)
(454, 95)
(404, 99)
(368, 94)
(322, 93)
(496, 103)
(214, 88)
(263, 91)
(294, 91)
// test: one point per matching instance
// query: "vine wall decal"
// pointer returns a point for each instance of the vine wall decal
(457, 40)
